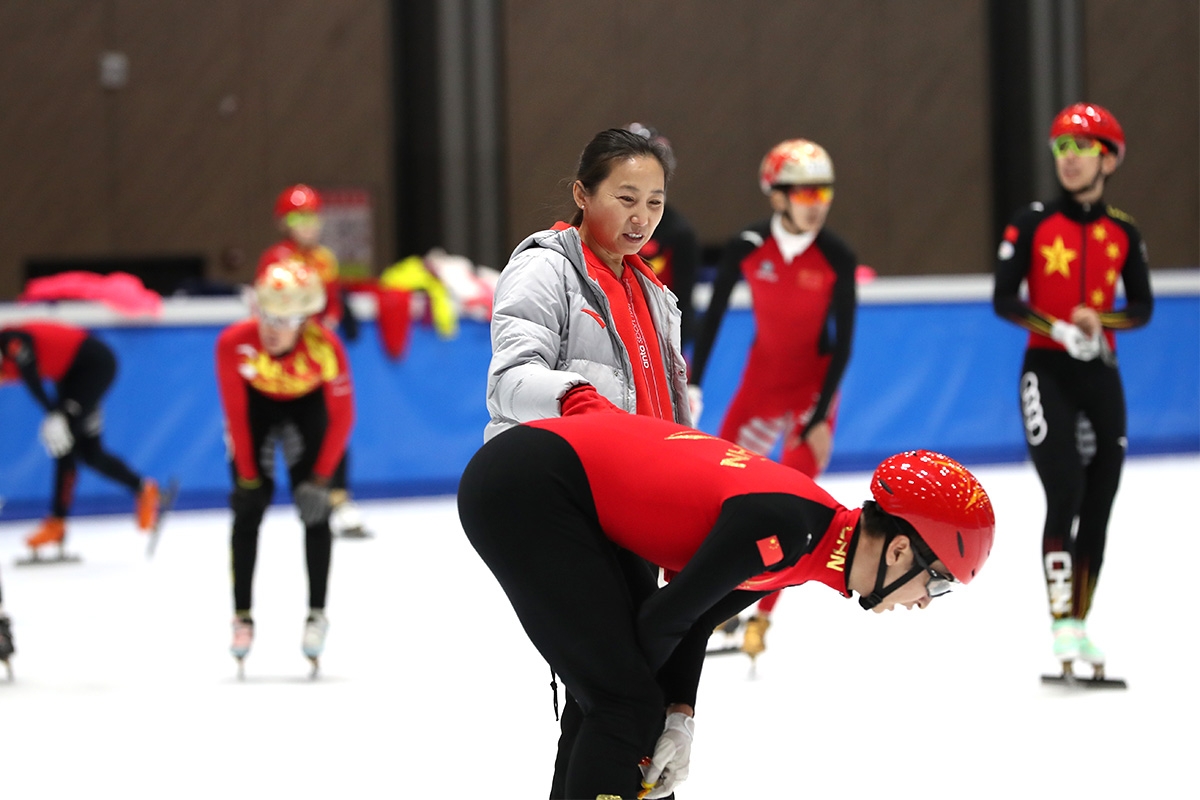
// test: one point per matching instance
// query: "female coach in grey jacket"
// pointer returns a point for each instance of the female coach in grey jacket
(553, 324)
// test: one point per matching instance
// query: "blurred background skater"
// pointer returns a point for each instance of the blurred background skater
(673, 252)
(6, 638)
(284, 380)
(82, 368)
(580, 323)
(298, 215)
(1071, 253)
(801, 278)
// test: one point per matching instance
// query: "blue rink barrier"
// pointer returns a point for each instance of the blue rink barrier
(940, 375)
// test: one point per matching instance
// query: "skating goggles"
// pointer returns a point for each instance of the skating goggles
(939, 583)
(1076, 145)
(810, 195)
(290, 321)
(300, 219)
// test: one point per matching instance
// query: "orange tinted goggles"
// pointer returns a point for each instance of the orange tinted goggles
(810, 195)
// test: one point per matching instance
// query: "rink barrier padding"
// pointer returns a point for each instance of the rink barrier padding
(940, 375)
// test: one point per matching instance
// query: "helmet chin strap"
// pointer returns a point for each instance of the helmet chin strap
(876, 597)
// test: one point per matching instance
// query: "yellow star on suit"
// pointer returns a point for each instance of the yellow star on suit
(1058, 257)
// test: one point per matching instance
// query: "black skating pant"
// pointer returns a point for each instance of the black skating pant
(1055, 391)
(298, 426)
(575, 594)
(79, 393)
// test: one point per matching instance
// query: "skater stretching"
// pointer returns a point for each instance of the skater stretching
(284, 380)
(549, 506)
(81, 368)
(1071, 253)
(801, 276)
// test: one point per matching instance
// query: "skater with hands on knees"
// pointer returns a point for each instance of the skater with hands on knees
(284, 380)
(82, 369)
(1071, 253)
(553, 507)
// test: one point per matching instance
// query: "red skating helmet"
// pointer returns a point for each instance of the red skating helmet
(297, 198)
(796, 162)
(944, 502)
(1089, 119)
(286, 286)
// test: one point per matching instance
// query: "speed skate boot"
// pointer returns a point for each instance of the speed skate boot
(345, 518)
(243, 637)
(147, 504)
(754, 640)
(1090, 653)
(53, 532)
(1068, 637)
(6, 644)
(313, 644)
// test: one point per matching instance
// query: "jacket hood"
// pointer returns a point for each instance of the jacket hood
(563, 240)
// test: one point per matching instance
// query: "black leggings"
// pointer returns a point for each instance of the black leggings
(79, 393)
(538, 532)
(299, 426)
(1055, 390)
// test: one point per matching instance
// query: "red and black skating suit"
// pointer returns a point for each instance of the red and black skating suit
(82, 369)
(556, 507)
(1073, 255)
(303, 401)
(804, 309)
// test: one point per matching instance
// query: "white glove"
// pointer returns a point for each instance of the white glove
(669, 766)
(695, 403)
(1079, 345)
(56, 434)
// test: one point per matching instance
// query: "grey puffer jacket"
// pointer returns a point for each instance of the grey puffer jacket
(547, 335)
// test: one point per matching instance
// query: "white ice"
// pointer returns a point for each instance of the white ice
(124, 685)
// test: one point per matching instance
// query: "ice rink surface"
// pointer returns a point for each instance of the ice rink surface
(124, 685)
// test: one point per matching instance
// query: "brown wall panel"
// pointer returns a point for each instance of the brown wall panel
(1143, 64)
(54, 170)
(895, 91)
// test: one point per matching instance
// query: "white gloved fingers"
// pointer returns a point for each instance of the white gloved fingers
(669, 765)
(1077, 343)
(56, 435)
(695, 403)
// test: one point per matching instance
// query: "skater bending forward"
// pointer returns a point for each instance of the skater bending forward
(551, 505)
(284, 380)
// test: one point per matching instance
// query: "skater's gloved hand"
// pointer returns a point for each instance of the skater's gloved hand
(669, 765)
(312, 501)
(1079, 345)
(249, 497)
(695, 403)
(56, 434)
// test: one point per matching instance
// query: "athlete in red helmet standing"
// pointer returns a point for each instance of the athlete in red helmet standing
(298, 215)
(1071, 253)
(284, 380)
(801, 279)
(551, 505)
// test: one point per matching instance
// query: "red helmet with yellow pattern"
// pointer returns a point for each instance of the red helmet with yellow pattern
(1089, 119)
(944, 502)
(795, 162)
(286, 285)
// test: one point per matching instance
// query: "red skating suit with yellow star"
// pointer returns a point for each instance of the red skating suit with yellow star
(1072, 255)
(317, 363)
(642, 510)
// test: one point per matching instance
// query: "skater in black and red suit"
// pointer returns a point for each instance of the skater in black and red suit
(1071, 253)
(550, 506)
(82, 369)
(284, 380)
(802, 281)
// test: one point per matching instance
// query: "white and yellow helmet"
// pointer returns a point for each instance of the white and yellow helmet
(286, 286)
(795, 162)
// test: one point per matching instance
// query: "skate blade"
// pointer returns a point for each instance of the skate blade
(1073, 681)
(723, 651)
(315, 661)
(356, 533)
(36, 560)
(165, 503)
